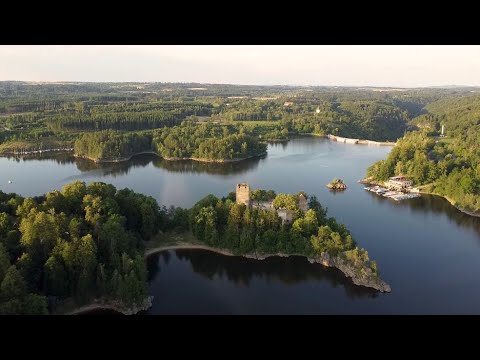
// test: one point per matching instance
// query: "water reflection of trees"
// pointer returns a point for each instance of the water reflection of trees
(153, 264)
(189, 166)
(241, 271)
(61, 158)
(113, 169)
(184, 166)
(436, 205)
(278, 144)
(140, 161)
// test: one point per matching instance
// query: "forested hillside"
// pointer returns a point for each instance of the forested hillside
(449, 165)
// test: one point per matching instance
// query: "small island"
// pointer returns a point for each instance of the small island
(337, 184)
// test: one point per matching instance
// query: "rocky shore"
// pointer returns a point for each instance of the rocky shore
(367, 280)
(115, 306)
(337, 184)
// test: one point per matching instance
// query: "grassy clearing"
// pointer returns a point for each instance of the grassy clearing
(171, 238)
(445, 140)
(259, 122)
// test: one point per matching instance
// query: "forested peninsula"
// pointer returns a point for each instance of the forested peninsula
(207, 142)
(85, 244)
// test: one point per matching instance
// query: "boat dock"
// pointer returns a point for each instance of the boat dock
(395, 195)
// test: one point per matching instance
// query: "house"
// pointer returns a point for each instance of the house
(288, 103)
(399, 183)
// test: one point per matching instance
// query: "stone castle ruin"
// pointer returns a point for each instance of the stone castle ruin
(243, 194)
(243, 197)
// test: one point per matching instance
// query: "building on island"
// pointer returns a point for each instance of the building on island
(285, 215)
(243, 197)
(399, 183)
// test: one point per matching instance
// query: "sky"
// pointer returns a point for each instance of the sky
(342, 65)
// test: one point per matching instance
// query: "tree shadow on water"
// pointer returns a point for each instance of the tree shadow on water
(287, 271)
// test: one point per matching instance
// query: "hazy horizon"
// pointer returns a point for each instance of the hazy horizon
(239, 84)
(396, 66)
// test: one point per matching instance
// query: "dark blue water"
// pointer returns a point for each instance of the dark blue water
(428, 251)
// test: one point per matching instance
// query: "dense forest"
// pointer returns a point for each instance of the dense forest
(128, 117)
(109, 145)
(206, 141)
(77, 244)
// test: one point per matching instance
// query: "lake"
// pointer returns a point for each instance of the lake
(428, 251)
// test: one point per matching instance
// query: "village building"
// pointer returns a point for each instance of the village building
(399, 183)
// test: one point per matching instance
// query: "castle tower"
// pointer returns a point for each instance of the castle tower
(302, 202)
(243, 194)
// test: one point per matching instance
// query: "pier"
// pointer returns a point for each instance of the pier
(391, 194)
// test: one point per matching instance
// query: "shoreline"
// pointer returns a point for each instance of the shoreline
(276, 140)
(324, 259)
(466, 212)
(111, 305)
(34, 152)
(351, 141)
(220, 161)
